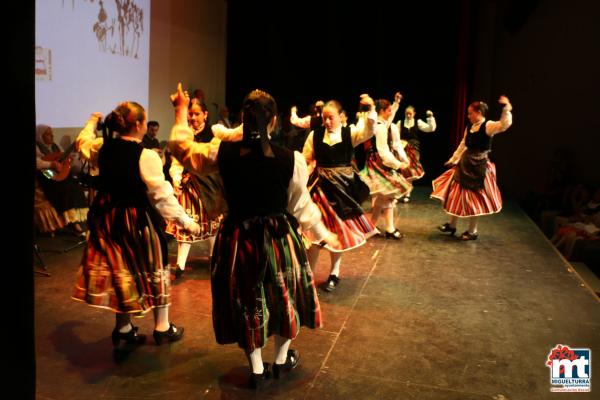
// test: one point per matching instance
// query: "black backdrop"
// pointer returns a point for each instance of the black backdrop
(338, 50)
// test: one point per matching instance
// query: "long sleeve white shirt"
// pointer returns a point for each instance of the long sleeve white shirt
(359, 133)
(423, 126)
(491, 128)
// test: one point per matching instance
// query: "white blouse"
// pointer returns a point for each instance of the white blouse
(361, 132)
(491, 128)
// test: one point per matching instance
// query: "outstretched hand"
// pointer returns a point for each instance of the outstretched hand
(398, 97)
(365, 99)
(503, 100)
(180, 98)
(194, 229)
(97, 115)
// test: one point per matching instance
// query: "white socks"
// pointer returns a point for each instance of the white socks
(161, 319)
(281, 348)
(123, 322)
(473, 225)
(336, 260)
(183, 249)
(256, 363)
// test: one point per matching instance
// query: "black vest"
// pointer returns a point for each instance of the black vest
(255, 185)
(478, 140)
(409, 134)
(119, 163)
(205, 135)
(337, 155)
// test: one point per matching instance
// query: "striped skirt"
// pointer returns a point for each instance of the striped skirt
(194, 194)
(334, 191)
(462, 202)
(261, 282)
(382, 180)
(123, 264)
(414, 170)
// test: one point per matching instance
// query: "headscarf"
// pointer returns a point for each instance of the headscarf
(39, 131)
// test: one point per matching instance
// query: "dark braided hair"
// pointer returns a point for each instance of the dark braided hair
(258, 108)
(480, 106)
(122, 119)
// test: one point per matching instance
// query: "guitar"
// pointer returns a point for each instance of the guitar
(63, 159)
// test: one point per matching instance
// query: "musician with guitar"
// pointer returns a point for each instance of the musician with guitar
(60, 189)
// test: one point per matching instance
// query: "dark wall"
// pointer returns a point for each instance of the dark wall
(326, 50)
(19, 348)
(544, 56)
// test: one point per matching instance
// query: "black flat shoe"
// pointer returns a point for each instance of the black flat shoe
(173, 334)
(131, 337)
(332, 282)
(396, 235)
(468, 236)
(176, 271)
(447, 228)
(258, 381)
(291, 362)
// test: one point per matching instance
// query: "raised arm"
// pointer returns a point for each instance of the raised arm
(364, 128)
(225, 134)
(86, 143)
(297, 121)
(199, 158)
(495, 127)
(428, 126)
(395, 107)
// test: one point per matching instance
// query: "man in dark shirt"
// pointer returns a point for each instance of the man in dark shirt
(150, 141)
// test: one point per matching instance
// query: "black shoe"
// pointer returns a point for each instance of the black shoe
(468, 236)
(173, 334)
(396, 235)
(131, 337)
(447, 228)
(258, 381)
(176, 271)
(332, 282)
(291, 362)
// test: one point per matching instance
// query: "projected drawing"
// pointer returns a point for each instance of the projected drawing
(121, 32)
(43, 64)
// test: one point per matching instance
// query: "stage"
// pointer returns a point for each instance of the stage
(427, 317)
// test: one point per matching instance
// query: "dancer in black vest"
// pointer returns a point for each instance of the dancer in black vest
(408, 130)
(199, 197)
(261, 280)
(381, 172)
(335, 185)
(124, 264)
(468, 189)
